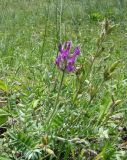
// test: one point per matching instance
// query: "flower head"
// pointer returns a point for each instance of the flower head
(65, 60)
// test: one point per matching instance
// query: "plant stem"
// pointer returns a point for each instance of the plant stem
(55, 109)
(45, 32)
(81, 82)
(60, 19)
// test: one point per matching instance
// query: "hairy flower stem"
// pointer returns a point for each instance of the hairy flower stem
(56, 106)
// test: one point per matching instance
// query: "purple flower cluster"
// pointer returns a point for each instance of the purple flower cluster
(66, 61)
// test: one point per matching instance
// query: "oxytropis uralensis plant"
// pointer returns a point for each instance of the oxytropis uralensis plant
(65, 61)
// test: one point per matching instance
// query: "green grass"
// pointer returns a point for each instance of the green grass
(90, 121)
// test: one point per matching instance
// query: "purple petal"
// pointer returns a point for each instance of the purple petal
(71, 60)
(58, 60)
(65, 51)
(64, 54)
(76, 51)
(60, 47)
(70, 68)
(68, 45)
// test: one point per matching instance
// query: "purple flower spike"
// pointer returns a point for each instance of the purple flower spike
(66, 61)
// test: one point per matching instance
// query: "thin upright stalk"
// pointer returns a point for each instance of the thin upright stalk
(80, 85)
(56, 106)
(60, 20)
(45, 32)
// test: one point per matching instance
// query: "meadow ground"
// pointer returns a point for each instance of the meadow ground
(46, 113)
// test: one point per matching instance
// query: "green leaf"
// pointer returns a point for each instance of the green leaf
(35, 103)
(4, 158)
(3, 117)
(3, 86)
